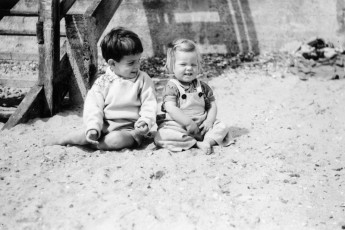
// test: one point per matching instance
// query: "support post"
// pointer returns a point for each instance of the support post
(49, 11)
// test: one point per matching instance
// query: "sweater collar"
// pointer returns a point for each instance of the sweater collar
(115, 76)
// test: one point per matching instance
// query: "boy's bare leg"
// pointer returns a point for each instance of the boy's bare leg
(74, 138)
(206, 146)
(116, 140)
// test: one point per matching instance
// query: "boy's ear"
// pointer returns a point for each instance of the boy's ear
(111, 62)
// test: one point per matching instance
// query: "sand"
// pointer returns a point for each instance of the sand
(286, 169)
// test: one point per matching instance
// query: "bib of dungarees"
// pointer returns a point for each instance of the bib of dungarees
(192, 104)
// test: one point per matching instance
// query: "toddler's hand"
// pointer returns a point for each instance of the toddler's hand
(141, 127)
(205, 126)
(92, 137)
(192, 128)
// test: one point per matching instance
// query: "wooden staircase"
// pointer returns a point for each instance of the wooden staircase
(69, 70)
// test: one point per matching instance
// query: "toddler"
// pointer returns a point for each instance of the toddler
(189, 104)
(120, 108)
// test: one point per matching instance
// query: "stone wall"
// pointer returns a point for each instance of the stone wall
(219, 26)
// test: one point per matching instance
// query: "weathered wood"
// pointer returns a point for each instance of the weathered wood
(65, 5)
(49, 11)
(7, 4)
(23, 33)
(17, 82)
(82, 54)
(6, 112)
(26, 108)
(21, 13)
(102, 12)
(17, 32)
(62, 83)
(27, 33)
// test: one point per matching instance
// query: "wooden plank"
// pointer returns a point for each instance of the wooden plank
(49, 11)
(6, 112)
(82, 54)
(102, 12)
(28, 33)
(7, 4)
(17, 32)
(62, 83)
(17, 83)
(28, 105)
(21, 13)
(65, 5)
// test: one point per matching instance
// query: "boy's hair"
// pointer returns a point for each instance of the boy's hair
(120, 42)
(184, 45)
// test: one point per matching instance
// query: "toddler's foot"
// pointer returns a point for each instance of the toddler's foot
(205, 147)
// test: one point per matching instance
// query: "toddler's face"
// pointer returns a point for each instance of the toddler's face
(128, 66)
(186, 66)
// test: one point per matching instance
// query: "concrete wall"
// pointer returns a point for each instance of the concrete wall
(219, 26)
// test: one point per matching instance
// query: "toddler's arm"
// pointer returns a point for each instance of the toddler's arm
(178, 115)
(210, 118)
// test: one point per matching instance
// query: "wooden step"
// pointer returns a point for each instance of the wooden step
(6, 112)
(19, 13)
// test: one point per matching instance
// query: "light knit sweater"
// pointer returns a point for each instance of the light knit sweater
(114, 103)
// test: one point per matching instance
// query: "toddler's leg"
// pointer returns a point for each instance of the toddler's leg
(206, 145)
(116, 140)
(74, 138)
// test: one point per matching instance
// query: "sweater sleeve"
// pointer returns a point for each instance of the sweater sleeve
(93, 109)
(148, 110)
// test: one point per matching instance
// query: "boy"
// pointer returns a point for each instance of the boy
(121, 105)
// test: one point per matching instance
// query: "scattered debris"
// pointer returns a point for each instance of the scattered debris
(158, 175)
(317, 58)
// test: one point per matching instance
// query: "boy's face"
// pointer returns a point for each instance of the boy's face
(186, 66)
(127, 67)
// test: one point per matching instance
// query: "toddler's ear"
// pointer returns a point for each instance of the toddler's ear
(111, 62)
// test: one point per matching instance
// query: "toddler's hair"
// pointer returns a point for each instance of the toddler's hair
(120, 42)
(184, 45)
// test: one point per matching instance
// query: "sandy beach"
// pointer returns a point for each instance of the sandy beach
(286, 169)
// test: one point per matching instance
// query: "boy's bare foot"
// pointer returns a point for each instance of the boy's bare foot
(205, 147)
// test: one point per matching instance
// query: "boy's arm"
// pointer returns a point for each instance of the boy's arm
(93, 110)
(148, 110)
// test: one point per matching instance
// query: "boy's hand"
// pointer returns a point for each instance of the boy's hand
(205, 126)
(192, 128)
(92, 137)
(141, 127)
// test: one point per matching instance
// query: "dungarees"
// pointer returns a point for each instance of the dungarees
(173, 136)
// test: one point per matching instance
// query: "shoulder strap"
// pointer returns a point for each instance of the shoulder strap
(178, 85)
(198, 86)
